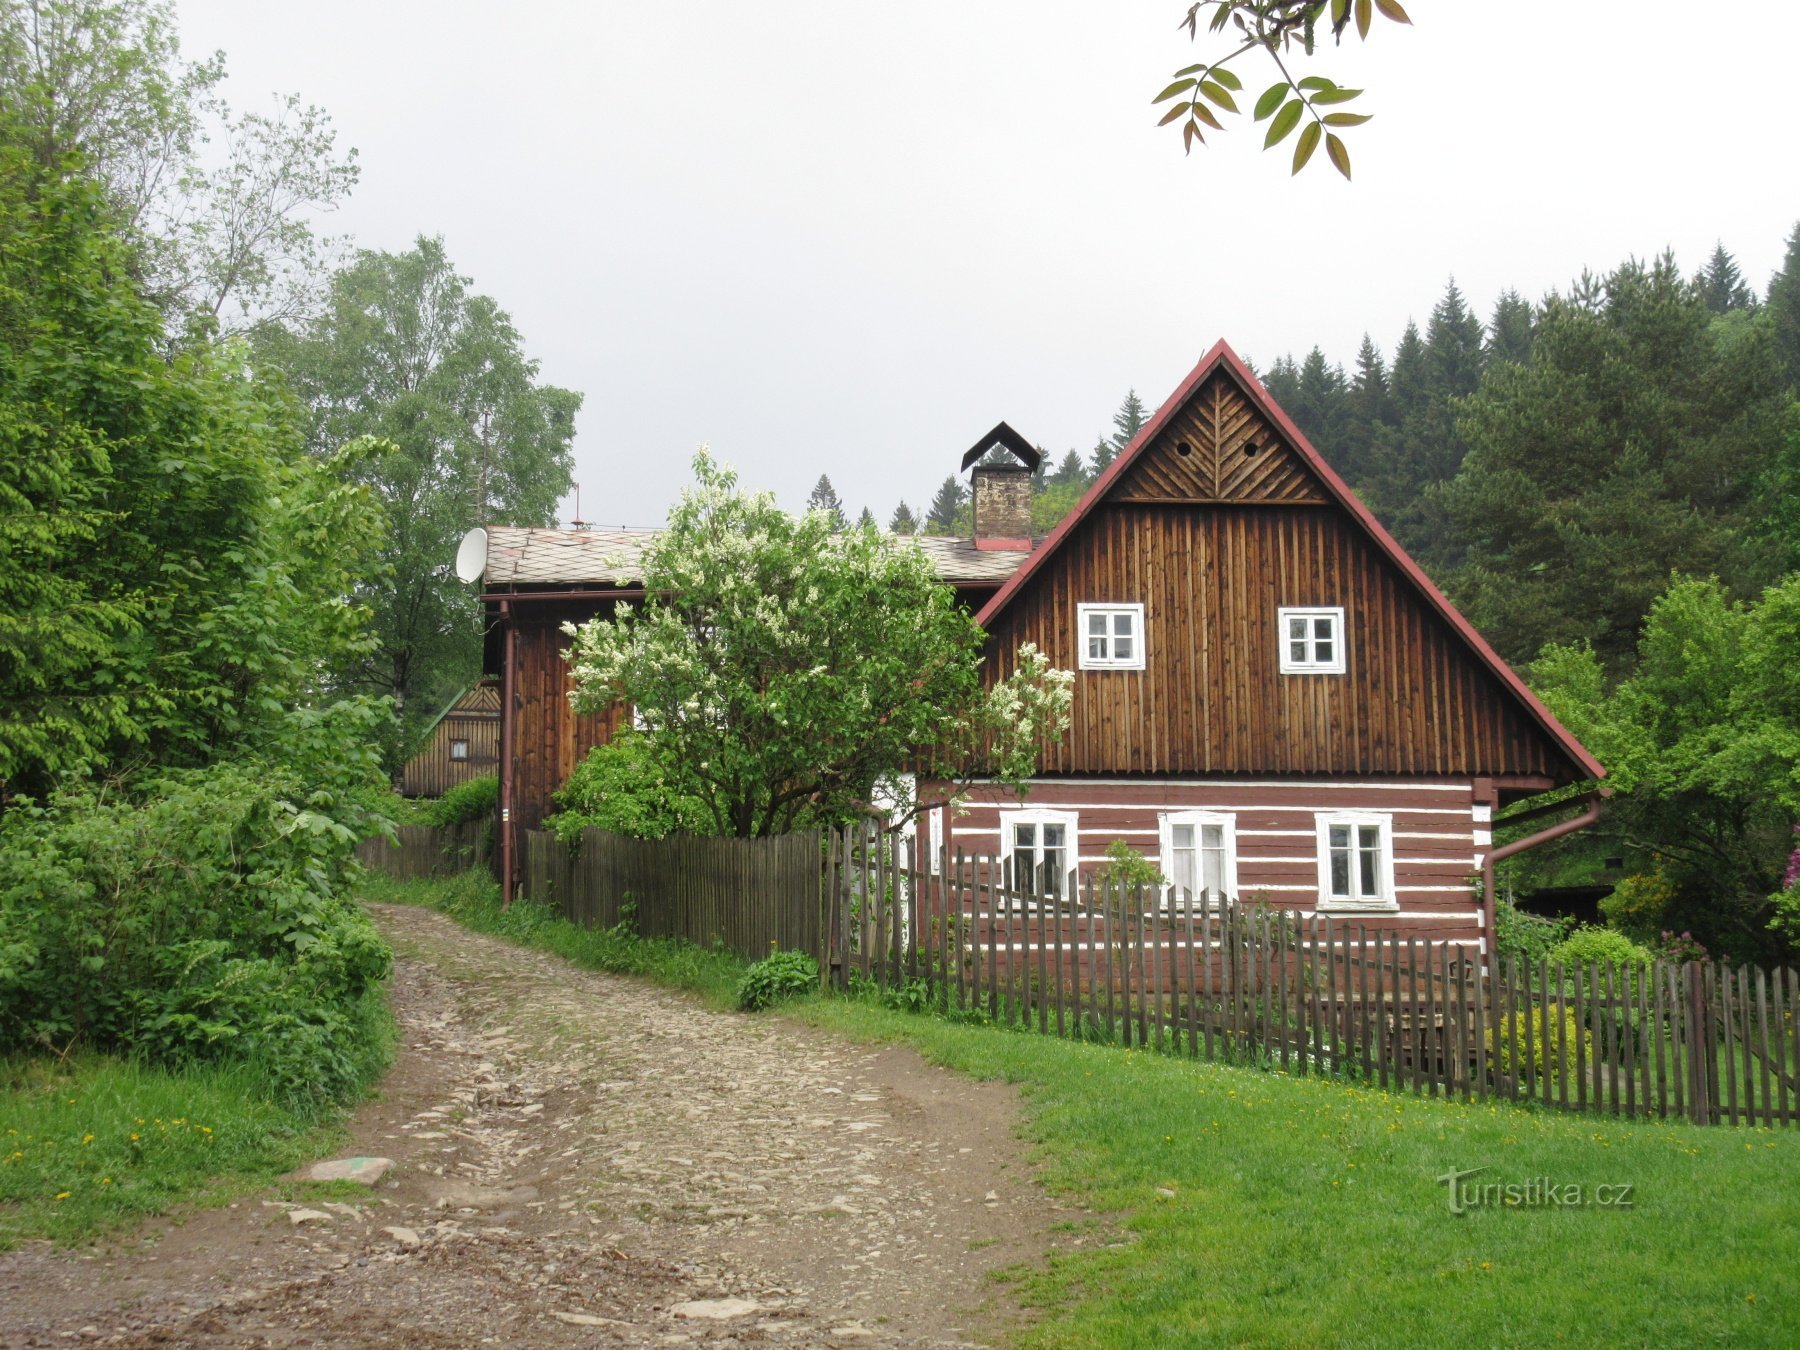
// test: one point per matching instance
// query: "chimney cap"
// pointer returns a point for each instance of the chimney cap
(1006, 438)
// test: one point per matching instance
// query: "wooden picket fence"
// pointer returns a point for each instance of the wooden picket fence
(1311, 994)
(748, 895)
(422, 851)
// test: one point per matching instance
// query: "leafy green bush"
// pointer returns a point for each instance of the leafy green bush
(621, 787)
(1527, 937)
(1128, 870)
(1591, 944)
(203, 916)
(1541, 1048)
(778, 976)
(477, 799)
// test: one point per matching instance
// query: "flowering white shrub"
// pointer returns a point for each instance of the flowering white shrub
(781, 670)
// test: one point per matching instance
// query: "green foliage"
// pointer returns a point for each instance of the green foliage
(477, 799)
(1702, 743)
(1637, 438)
(941, 515)
(174, 567)
(1784, 917)
(622, 786)
(1541, 1044)
(1282, 30)
(217, 204)
(1128, 870)
(779, 976)
(1591, 944)
(96, 1143)
(785, 672)
(1640, 904)
(1526, 937)
(407, 352)
(204, 918)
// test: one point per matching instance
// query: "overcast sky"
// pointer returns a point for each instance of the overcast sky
(847, 239)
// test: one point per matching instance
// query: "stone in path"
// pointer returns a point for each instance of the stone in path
(366, 1170)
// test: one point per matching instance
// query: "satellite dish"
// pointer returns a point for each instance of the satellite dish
(471, 555)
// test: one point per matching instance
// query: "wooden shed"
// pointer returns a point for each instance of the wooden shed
(463, 743)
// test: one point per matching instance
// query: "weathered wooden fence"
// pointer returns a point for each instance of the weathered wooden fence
(748, 894)
(1313, 994)
(429, 850)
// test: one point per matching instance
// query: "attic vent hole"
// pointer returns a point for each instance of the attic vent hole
(1251, 449)
(1183, 449)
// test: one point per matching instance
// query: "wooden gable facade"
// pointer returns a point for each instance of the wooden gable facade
(463, 743)
(1211, 530)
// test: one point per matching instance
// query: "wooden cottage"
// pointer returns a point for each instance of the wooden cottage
(463, 743)
(536, 580)
(1271, 699)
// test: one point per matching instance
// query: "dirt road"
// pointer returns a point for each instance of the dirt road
(583, 1159)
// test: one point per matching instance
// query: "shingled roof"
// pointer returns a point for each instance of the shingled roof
(601, 557)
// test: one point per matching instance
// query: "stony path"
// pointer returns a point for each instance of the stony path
(583, 1159)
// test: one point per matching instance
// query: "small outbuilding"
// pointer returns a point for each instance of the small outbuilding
(463, 743)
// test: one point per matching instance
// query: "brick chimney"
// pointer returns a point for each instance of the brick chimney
(1002, 506)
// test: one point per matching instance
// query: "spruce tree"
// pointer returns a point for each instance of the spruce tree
(1103, 453)
(940, 517)
(824, 498)
(1722, 287)
(1321, 406)
(1368, 407)
(866, 521)
(1784, 311)
(903, 521)
(1282, 380)
(1406, 383)
(1069, 470)
(1509, 334)
(1630, 446)
(1128, 420)
(1453, 346)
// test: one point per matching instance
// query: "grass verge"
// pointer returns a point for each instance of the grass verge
(473, 900)
(96, 1143)
(1258, 1208)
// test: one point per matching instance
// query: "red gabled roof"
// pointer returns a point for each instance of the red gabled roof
(1221, 357)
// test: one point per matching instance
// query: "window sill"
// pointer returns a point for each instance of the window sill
(1382, 906)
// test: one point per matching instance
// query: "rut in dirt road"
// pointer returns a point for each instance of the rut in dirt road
(589, 1159)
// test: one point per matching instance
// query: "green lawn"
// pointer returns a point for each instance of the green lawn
(99, 1143)
(1308, 1212)
(1253, 1208)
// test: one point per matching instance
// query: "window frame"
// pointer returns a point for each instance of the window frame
(1041, 816)
(455, 742)
(1166, 821)
(1339, 663)
(1386, 901)
(1087, 607)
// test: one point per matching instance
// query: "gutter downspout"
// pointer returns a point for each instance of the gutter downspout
(1531, 841)
(508, 659)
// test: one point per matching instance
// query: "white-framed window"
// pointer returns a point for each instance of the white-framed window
(1356, 861)
(1312, 641)
(1199, 856)
(459, 749)
(1111, 636)
(1039, 850)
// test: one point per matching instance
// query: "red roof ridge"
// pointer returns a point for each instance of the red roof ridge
(1221, 356)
